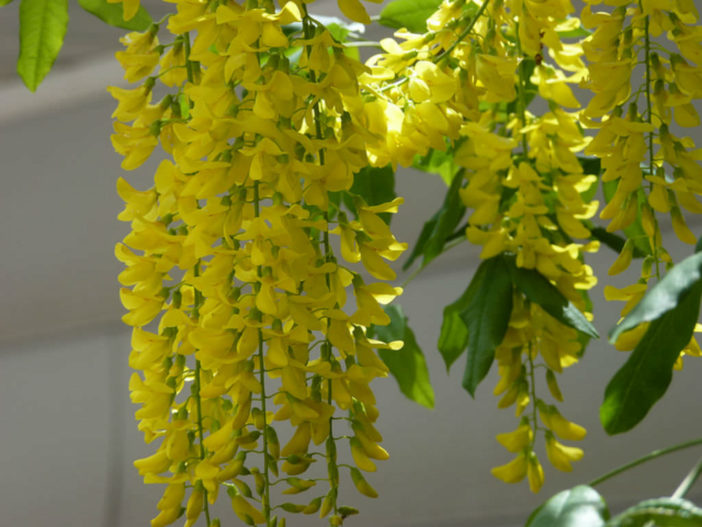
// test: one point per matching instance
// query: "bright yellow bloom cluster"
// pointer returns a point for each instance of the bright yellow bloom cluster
(651, 170)
(468, 80)
(238, 303)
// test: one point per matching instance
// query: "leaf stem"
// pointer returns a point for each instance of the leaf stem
(689, 481)
(648, 457)
(649, 119)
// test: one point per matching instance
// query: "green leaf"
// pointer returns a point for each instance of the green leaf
(375, 185)
(613, 241)
(438, 162)
(661, 512)
(453, 339)
(581, 506)
(664, 296)
(411, 14)
(449, 216)
(422, 240)
(336, 26)
(540, 291)
(591, 165)
(407, 365)
(4, 2)
(486, 316)
(111, 14)
(43, 26)
(578, 32)
(645, 376)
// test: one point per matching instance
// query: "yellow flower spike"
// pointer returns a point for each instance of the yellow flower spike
(535, 473)
(299, 442)
(246, 512)
(623, 260)
(172, 497)
(361, 484)
(523, 400)
(497, 76)
(552, 86)
(298, 485)
(563, 428)
(553, 387)
(153, 464)
(680, 227)
(658, 198)
(514, 471)
(360, 457)
(178, 445)
(194, 506)
(518, 439)
(561, 456)
(218, 439)
(510, 396)
(372, 449)
(166, 517)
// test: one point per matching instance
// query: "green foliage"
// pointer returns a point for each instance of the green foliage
(407, 365)
(438, 162)
(486, 317)
(453, 338)
(478, 319)
(664, 296)
(440, 227)
(375, 185)
(578, 32)
(645, 376)
(111, 14)
(581, 506)
(540, 291)
(43, 25)
(411, 14)
(661, 512)
(5, 2)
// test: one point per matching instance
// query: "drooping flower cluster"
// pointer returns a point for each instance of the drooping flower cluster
(648, 169)
(238, 303)
(469, 80)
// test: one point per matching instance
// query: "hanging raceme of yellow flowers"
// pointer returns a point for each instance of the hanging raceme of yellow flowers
(239, 304)
(468, 79)
(237, 301)
(652, 171)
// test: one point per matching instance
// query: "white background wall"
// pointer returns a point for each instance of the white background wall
(67, 433)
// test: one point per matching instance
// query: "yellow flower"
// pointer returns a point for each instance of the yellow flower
(560, 455)
(514, 471)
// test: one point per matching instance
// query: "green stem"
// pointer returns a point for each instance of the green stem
(188, 62)
(328, 256)
(262, 380)
(521, 92)
(200, 433)
(447, 52)
(688, 482)
(533, 394)
(648, 457)
(649, 119)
